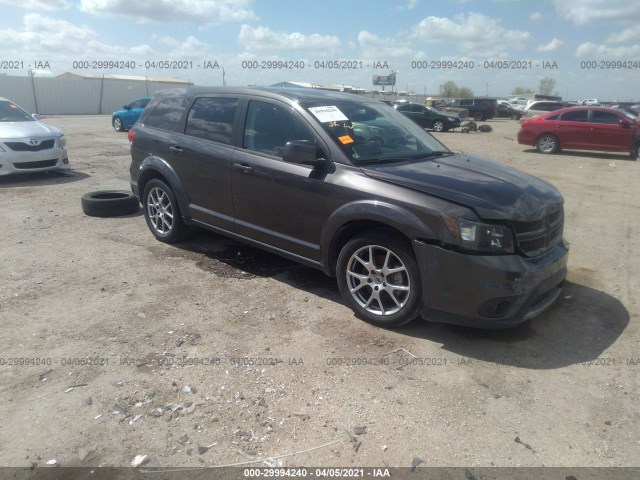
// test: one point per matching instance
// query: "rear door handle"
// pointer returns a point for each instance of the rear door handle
(176, 149)
(243, 167)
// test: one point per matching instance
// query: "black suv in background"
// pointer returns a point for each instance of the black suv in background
(428, 117)
(350, 186)
(479, 108)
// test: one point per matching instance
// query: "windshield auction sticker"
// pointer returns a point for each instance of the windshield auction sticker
(328, 114)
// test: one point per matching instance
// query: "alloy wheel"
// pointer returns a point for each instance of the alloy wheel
(160, 211)
(378, 280)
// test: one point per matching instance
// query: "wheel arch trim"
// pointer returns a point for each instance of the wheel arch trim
(155, 167)
(353, 218)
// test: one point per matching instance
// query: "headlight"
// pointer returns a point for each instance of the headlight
(482, 237)
(451, 119)
(62, 140)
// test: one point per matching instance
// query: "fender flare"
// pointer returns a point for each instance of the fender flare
(383, 213)
(153, 165)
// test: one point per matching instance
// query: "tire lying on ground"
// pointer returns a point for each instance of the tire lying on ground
(485, 128)
(109, 203)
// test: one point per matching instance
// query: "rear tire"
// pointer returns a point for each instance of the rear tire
(635, 153)
(162, 212)
(478, 116)
(379, 279)
(548, 143)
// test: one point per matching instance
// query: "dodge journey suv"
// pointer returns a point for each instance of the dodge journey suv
(350, 186)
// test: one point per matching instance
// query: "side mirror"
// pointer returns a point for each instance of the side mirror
(625, 123)
(126, 107)
(304, 152)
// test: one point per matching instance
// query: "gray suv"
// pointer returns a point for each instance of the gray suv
(350, 186)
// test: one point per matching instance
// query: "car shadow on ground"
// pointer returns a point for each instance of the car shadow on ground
(231, 259)
(578, 328)
(42, 178)
(581, 153)
(581, 325)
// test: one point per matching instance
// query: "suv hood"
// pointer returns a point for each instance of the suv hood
(27, 129)
(493, 190)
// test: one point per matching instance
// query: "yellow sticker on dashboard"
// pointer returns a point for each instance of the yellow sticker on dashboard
(346, 139)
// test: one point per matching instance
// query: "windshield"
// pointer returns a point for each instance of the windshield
(371, 132)
(10, 112)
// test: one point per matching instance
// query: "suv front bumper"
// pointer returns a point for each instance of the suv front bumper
(488, 291)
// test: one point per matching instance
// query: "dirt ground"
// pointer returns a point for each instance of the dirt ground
(211, 353)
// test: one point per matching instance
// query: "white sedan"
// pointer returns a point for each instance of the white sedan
(27, 144)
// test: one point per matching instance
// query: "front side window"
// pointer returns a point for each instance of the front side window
(211, 118)
(269, 127)
(600, 116)
(140, 103)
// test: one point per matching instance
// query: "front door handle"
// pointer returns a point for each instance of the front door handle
(243, 167)
(176, 149)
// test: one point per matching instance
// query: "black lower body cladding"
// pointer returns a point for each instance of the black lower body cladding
(488, 291)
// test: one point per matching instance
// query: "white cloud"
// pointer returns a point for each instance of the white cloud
(535, 16)
(264, 39)
(605, 52)
(472, 33)
(552, 46)
(60, 43)
(588, 12)
(37, 4)
(375, 47)
(191, 47)
(627, 35)
(44, 35)
(175, 11)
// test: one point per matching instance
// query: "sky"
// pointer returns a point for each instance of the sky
(590, 48)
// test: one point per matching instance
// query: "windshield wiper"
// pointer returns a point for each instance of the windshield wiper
(408, 158)
(435, 153)
(382, 160)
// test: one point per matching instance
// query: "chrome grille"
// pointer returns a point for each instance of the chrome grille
(537, 237)
(25, 147)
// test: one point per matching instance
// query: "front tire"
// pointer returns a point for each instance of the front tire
(478, 117)
(118, 124)
(548, 143)
(379, 279)
(635, 153)
(438, 126)
(162, 213)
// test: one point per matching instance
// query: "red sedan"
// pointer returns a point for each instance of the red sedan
(582, 128)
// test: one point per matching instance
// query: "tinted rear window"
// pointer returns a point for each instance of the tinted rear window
(167, 113)
(575, 116)
(546, 106)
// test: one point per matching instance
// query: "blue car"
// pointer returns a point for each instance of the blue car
(123, 120)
